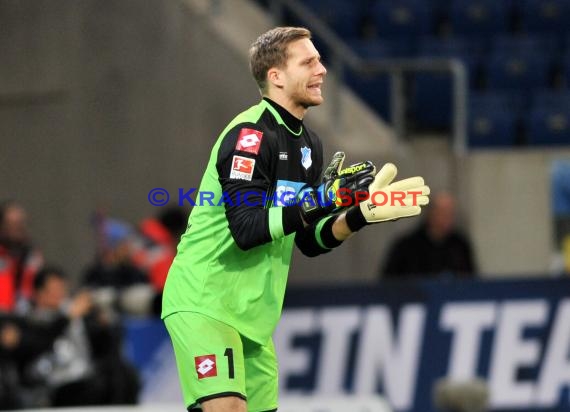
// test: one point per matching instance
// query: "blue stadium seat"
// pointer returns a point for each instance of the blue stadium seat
(373, 89)
(479, 17)
(432, 101)
(544, 16)
(372, 48)
(549, 126)
(402, 18)
(491, 121)
(548, 121)
(550, 98)
(526, 44)
(565, 66)
(468, 50)
(344, 17)
(440, 6)
(528, 61)
(517, 73)
(432, 92)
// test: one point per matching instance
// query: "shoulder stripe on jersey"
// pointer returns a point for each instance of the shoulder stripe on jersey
(250, 115)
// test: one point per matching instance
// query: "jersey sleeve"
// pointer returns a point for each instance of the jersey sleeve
(246, 165)
(317, 238)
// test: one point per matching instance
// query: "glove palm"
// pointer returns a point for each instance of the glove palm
(400, 199)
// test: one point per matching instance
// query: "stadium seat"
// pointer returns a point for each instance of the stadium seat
(344, 17)
(543, 16)
(440, 6)
(517, 73)
(565, 67)
(540, 54)
(549, 125)
(548, 121)
(491, 122)
(526, 44)
(468, 50)
(550, 98)
(402, 19)
(373, 89)
(432, 92)
(373, 48)
(479, 17)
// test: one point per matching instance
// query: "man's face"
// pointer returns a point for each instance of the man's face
(441, 217)
(304, 74)
(15, 225)
(53, 293)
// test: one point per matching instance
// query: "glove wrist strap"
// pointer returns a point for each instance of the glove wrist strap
(355, 219)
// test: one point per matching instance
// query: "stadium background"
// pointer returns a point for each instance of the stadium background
(100, 103)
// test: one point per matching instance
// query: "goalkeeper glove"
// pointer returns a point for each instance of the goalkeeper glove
(389, 201)
(338, 189)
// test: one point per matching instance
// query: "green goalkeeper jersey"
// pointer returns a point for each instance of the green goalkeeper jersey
(233, 260)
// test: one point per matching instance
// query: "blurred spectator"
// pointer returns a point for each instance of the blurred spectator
(461, 396)
(10, 337)
(19, 259)
(155, 248)
(113, 276)
(560, 190)
(435, 248)
(82, 364)
(113, 265)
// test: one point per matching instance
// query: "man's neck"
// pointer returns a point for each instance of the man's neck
(296, 110)
(292, 122)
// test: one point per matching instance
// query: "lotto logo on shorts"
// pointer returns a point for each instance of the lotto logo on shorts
(206, 366)
(242, 168)
(249, 140)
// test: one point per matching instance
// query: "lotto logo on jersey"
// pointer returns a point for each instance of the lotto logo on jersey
(249, 140)
(242, 168)
(206, 366)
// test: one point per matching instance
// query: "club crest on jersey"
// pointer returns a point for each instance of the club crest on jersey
(306, 160)
(242, 168)
(249, 140)
(206, 366)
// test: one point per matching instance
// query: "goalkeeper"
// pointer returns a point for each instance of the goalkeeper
(225, 288)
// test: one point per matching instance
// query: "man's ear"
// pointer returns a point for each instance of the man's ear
(275, 77)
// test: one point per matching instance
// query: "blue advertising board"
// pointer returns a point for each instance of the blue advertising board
(398, 338)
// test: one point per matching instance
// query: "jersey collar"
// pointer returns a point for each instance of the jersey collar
(284, 117)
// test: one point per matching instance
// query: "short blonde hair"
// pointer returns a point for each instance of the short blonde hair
(270, 50)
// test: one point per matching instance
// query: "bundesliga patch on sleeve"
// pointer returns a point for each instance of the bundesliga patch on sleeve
(249, 140)
(206, 366)
(242, 168)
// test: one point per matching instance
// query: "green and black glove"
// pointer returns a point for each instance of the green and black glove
(339, 189)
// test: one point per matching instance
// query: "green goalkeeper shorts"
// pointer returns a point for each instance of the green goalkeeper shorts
(214, 360)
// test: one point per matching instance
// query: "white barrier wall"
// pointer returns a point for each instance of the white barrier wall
(510, 219)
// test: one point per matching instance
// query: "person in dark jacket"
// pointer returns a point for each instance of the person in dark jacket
(436, 247)
(81, 362)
